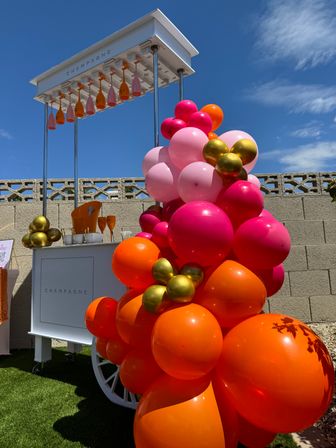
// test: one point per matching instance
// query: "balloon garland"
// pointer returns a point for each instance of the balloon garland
(190, 334)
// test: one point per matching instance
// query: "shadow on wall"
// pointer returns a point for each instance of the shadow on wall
(20, 315)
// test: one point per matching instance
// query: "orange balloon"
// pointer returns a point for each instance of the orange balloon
(132, 262)
(138, 371)
(232, 293)
(278, 372)
(216, 115)
(101, 346)
(100, 317)
(187, 341)
(212, 135)
(175, 413)
(133, 322)
(116, 350)
(252, 436)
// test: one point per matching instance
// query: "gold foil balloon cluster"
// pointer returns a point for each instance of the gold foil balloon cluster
(229, 161)
(174, 287)
(40, 233)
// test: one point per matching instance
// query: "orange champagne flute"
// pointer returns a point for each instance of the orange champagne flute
(111, 222)
(102, 220)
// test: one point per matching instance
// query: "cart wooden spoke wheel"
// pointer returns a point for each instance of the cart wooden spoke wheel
(107, 375)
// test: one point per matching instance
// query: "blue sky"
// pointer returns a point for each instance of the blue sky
(269, 64)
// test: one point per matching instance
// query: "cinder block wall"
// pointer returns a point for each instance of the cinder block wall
(309, 291)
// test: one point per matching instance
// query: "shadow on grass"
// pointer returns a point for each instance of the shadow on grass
(98, 423)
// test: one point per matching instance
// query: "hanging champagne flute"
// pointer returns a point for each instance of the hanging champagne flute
(136, 86)
(111, 222)
(111, 97)
(102, 221)
(90, 108)
(60, 115)
(79, 108)
(100, 98)
(123, 89)
(51, 119)
(70, 114)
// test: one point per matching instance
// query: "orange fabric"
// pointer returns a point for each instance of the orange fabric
(3, 295)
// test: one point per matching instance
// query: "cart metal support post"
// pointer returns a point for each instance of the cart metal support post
(180, 72)
(45, 160)
(156, 93)
(76, 163)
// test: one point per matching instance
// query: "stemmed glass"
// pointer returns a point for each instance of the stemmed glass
(79, 108)
(111, 222)
(100, 98)
(70, 114)
(102, 221)
(51, 119)
(136, 86)
(60, 115)
(89, 108)
(111, 97)
(123, 89)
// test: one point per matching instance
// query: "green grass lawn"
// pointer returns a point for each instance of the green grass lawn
(63, 407)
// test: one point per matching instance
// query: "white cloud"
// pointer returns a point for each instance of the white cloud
(319, 156)
(300, 31)
(298, 98)
(5, 134)
(312, 129)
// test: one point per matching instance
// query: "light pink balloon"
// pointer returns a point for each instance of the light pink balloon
(254, 180)
(186, 146)
(199, 181)
(161, 182)
(261, 243)
(154, 156)
(231, 137)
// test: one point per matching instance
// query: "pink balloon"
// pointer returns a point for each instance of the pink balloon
(241, 201)
(186, 146)
(200, 232)
(170, 207)
(201, 120)
(161, 181)
(261, 243)
(254, 180)
(231, 137)
(146, 235)
(166, 127)
(148, 220)
(184, 109)
(176, 125)
(199, 181)
(154, 156)
(266, 214)
(272, 278)
(160, 235)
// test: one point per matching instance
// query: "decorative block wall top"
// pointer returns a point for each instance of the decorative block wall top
(114, 189)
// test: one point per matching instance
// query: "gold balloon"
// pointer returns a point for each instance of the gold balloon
(26, 241)
(40, 224)
(153, 298)
(31, 228)
(54, 235)
(39, 239)
(213, 150)
(180, 289)
(163, 270)
(242, 175)
(229, 165)
(245, 149)
(193, 272)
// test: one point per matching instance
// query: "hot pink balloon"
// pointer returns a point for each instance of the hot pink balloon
(254, 180)
(148, 220)
(146, 235)
(186, 146)
(166, 127)
(176, 125)
(184, 109)
(272, 278)
(199, 181)
(170, 207)
(200, 232)
(160, 235)
(161, 182)
(241, 201)
(154, 156)
(266, 214)
(261, 243)
(201, 120)
(231, 137)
